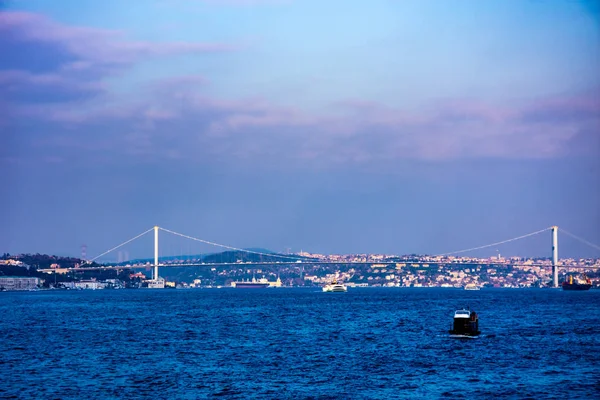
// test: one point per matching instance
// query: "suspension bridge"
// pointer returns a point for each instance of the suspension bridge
(289, 259)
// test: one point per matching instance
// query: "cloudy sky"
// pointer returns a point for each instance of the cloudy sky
(328, 126)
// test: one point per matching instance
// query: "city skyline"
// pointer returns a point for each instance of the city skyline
(345, 127)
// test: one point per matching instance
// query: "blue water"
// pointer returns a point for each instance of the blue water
(298, 343)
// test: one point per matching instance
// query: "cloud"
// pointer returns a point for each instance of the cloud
(190, 126)
(26, 87)
(559, 109)
(60, 102)
(95, 45)
(51, 62)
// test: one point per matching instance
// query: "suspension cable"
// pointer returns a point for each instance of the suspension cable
(494, 244)
(122, 244)
(580, 239)
(228, 247)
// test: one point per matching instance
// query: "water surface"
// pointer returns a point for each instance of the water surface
(368, 343)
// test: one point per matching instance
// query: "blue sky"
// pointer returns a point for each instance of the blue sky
(339, 126)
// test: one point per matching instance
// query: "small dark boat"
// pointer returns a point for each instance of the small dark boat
(466, 324)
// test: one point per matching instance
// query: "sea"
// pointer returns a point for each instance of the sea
(298, 343)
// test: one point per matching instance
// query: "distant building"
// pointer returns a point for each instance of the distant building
(15, 263)
(156, 284)
(277, 283)
(62, 271)
(18, 282)
(90, 285)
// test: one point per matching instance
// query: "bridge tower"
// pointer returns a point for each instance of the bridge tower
(555, 256)
(155, 277)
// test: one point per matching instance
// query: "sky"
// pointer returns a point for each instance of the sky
(332, 127)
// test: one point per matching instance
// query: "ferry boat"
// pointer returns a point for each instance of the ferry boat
(579, 283)
(466, 324)
(471, 286)
(334, 286)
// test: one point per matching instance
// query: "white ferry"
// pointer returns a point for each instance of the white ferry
(335, 287)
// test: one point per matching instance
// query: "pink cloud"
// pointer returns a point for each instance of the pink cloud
(249, 129)
(176, 119)
(97, 45)
(576, 108)
(10, 78)
(82, 60)
(469, 110)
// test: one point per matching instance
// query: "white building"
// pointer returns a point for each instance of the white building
(89, 285)
(18, 282)
(156, 284)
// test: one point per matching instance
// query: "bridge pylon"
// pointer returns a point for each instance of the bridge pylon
(155, 276)
(555, 256)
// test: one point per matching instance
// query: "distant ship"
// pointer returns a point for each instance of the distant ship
(579, 283)
(335, 287)
(256, 284)
(471, 286)
(466, 324)
(250, 285)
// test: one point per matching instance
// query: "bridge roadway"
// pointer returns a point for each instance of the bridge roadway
(313, 262)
